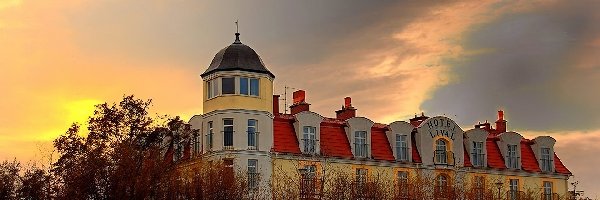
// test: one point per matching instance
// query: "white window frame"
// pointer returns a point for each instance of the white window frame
(546, 159)
(477, 154)
(513, 188)
(252, 174)
(547, 186)
(512, 161)
(226, 132)
(360, 144)
(252, 134)
(210, 135)
(309, 139)
(401, 147)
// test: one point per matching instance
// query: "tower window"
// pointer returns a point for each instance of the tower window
(228, 85)
(254, 87)
(211, 88)
(249, 86)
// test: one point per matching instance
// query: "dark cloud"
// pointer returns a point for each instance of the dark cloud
(532, 64)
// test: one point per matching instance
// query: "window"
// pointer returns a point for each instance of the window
(477, 153)
(514, 189)
(512, 158)
(402, 179)
(252, 134)
(440, 152)
(196, 138)
(308, 184)
(360, 144)
(309, 139)
(361, 182)
(243, 85)
(228, 85)
(211, 88)
(210, 134)
(401, 148)
(478, 186)
(249, 86)
(252, 174)
(546, 161)
(441, 186)
(228, 133)
(547, 190)
(254, 87)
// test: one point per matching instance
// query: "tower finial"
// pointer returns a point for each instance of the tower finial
(237, 33)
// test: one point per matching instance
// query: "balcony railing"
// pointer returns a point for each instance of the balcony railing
(550, 196)
(441, 157)
(253, 180)
(515, 195)
(308, 187)
(253, 140)
(309, 146)
(228, 140)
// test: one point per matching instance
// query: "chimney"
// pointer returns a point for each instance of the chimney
(501, 123)
(347, 110)
(299, 103)
(485, 126)
(275, 104)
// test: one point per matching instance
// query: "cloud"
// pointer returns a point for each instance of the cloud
(539, 65)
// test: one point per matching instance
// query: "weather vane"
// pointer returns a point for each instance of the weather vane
(237, 26)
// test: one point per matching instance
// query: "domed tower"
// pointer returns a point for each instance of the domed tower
(237, 124)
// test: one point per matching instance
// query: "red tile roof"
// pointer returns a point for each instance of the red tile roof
(416, 157)
(284, 136)
(467, 158)
(528, 161)
(494, 157)
(380, 146)
(333, 141)
(559, 167)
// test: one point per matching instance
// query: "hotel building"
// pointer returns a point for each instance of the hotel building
(243, 126)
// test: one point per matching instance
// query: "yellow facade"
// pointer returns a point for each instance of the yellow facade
(286, 173)
(264, 102)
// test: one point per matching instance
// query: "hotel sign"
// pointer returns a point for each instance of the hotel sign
(441, 126)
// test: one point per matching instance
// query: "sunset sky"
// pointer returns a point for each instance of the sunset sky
(537, 60)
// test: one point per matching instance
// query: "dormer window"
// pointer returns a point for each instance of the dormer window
(309, 139)
(401, 148)
(477, 154)
(512, 160)
(440, 152)
(360, 144)
(546, 160)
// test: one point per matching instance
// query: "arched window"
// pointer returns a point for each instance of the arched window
(441, 186)
(441, 152)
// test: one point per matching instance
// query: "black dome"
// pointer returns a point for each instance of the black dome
(237, 56)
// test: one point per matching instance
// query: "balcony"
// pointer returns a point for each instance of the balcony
(441, 157)
(227, 140)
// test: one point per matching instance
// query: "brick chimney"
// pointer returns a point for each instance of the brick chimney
(485, 126)
(276, 104)
(347, 110)
(299, 103)
(501, 123)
